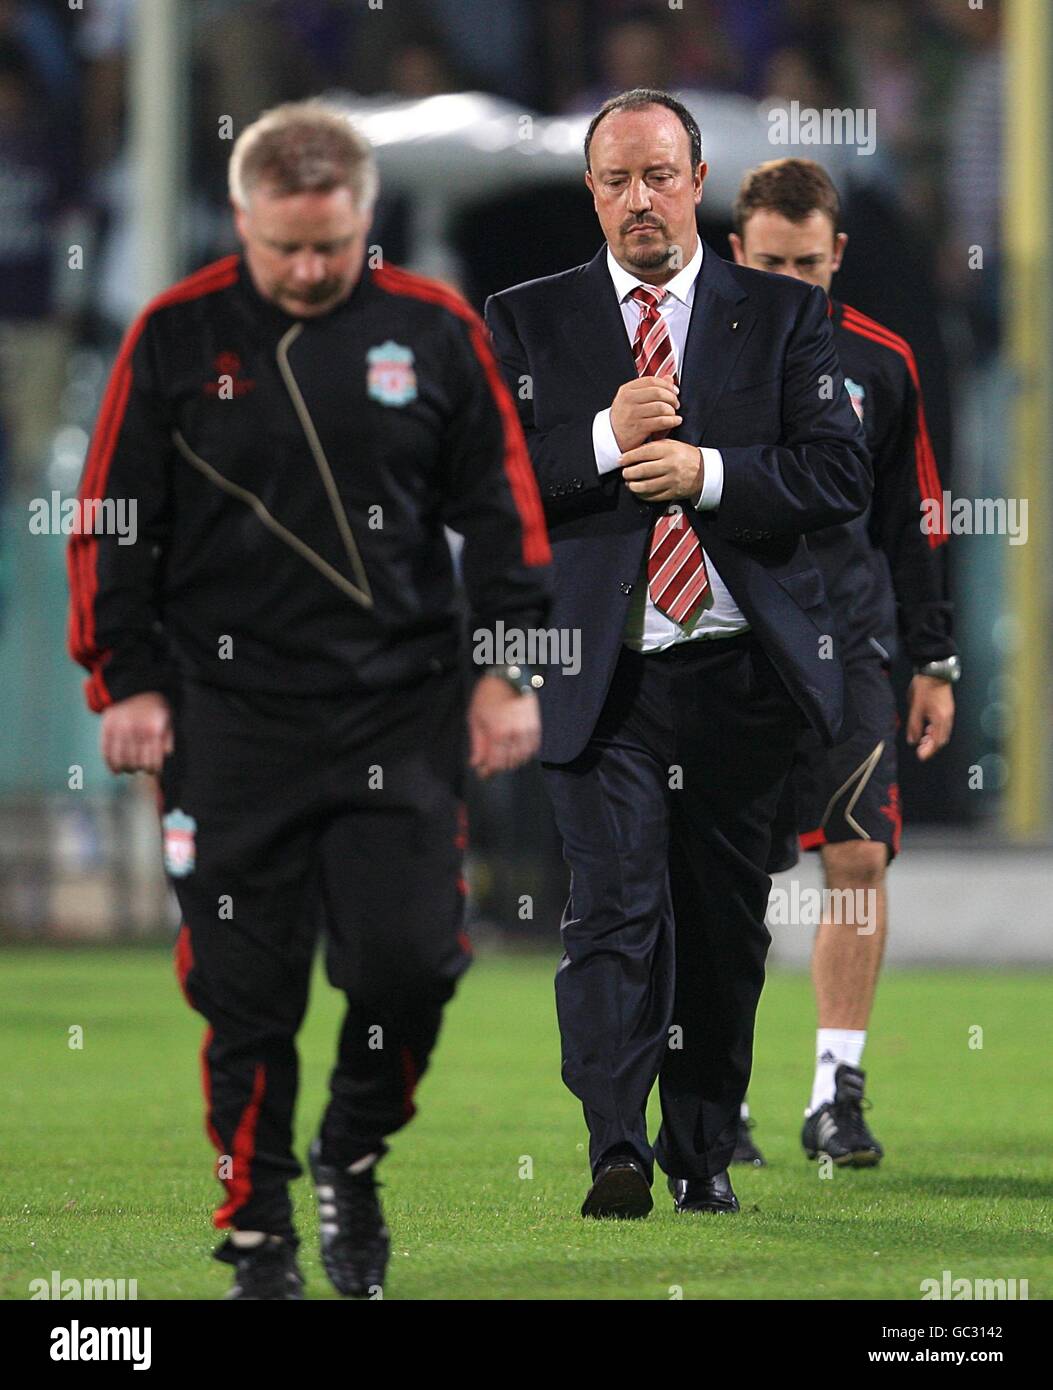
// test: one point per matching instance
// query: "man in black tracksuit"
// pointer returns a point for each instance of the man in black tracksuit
(885, 580)
(282, 643)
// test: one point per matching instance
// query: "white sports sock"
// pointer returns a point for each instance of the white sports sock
(246, 1240)
(832, 1047)
(744, 1111)
(360, 1165)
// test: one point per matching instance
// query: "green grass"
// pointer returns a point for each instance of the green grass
(107, 1170)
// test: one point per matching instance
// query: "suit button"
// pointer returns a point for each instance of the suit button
(578, 484)
(625, 588)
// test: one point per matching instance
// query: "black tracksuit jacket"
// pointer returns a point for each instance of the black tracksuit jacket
(292, 479)
(884, 573)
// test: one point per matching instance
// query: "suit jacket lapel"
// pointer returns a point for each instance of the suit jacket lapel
(720, 324)
(595, 329)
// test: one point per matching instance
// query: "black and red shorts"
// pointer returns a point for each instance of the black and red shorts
(848, 792)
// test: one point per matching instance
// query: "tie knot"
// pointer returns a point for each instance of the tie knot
(647, 295)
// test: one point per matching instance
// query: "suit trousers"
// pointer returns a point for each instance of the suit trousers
(666, 822)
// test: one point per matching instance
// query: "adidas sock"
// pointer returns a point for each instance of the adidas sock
(833, 1046)
(744, 1111)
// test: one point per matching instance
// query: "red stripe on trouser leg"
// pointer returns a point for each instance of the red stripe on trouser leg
(243, 1150)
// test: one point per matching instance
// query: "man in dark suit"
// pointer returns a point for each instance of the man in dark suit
(688, 422)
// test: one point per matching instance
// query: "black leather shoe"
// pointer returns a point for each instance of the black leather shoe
(620, 1189)
(704, 1194)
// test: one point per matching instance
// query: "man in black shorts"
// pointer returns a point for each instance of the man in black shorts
(883, 572)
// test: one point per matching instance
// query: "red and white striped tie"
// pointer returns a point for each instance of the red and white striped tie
(676, 568)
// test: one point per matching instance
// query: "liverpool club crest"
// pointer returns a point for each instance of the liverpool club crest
(391, 379)
(857, 395)
(180, 849)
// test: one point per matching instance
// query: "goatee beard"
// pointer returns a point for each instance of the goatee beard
(650, 260)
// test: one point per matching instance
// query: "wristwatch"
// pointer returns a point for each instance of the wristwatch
(519, 676)
(948, 669)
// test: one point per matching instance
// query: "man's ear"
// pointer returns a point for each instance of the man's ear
(699, 180)
(240, 220)
(840, 242)
(735, 242)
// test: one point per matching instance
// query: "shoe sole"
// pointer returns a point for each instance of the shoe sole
(621, 1195)
(863, 1158)
(704, 1211)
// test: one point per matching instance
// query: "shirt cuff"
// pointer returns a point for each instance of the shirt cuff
(604, 444)
(712, 479)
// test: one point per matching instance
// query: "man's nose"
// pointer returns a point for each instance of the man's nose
(639, 196)
(308, 268)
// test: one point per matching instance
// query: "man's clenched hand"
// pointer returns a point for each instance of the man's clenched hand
(137, 733)
(644, 406)
(663, 470)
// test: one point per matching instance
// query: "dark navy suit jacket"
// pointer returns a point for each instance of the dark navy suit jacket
(759, 381)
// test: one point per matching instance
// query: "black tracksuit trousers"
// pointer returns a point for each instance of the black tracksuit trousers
(306, 813)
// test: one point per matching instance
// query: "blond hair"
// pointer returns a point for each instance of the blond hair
(303, 147)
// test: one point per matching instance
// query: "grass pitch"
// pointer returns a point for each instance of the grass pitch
(108, 1171)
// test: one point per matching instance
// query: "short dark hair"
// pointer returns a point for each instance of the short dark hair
(638, 98)
(794, 188)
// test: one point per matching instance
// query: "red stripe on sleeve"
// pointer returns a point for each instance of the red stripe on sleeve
(517, 466)
(82, 552)
(929, 485)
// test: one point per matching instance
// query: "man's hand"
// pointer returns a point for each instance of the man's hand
(644, 406)
(930, 715)
(663, 470)
(137, 733)
(505, 726)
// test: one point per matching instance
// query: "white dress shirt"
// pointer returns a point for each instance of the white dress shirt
(647, 629)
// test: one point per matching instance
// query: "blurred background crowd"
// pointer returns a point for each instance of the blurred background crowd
(931, 71)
